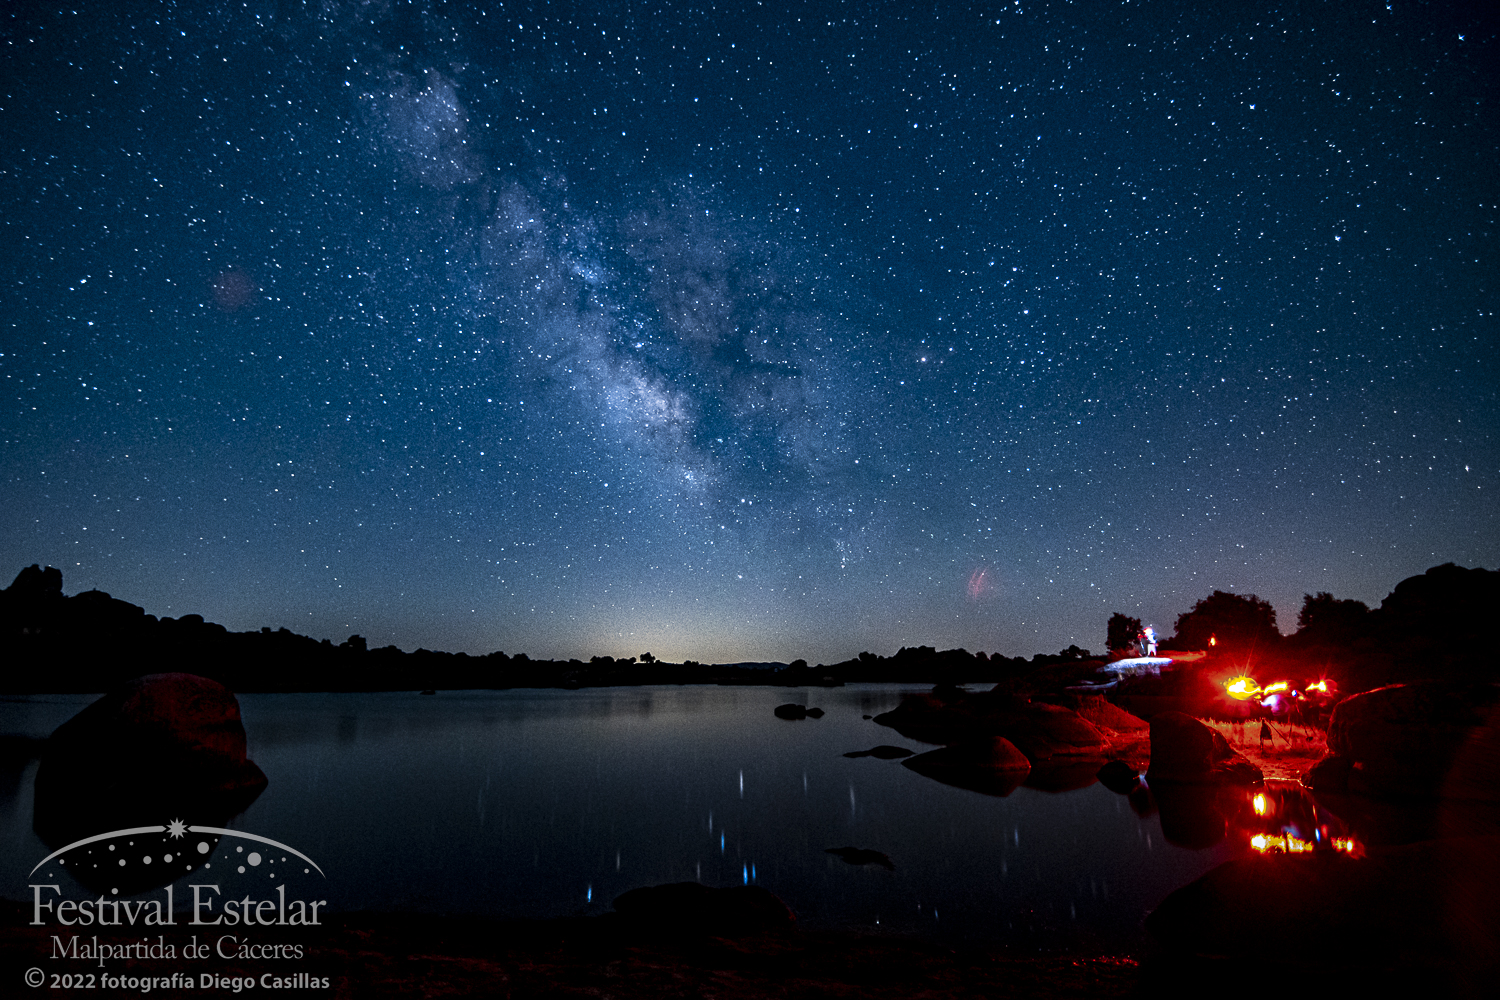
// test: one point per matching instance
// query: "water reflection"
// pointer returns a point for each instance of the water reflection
(549, 803)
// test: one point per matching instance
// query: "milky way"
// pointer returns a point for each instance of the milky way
(745, 335)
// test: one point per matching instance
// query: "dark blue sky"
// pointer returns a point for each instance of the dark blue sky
(744, 332)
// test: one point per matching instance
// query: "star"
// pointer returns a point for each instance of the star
(176, 828)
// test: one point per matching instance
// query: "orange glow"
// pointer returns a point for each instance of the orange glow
(1278, 686)
(1213, 640)
(1281, 843)
(1318, 686)
(1242, 688)
(1260, 805)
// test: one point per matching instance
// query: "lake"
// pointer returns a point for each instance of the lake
(546, 803)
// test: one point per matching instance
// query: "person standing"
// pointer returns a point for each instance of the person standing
(1150, 636)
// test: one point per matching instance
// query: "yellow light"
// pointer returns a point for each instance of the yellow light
(1242, 688)
(1318, 686)
(1260, 805)
(1259, 842)
(1278, 686)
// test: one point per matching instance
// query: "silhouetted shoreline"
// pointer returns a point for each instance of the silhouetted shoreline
(1431, 626)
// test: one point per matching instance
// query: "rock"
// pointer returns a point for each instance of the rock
(1039, 730)
(1432, 905)
(993, 766)
(929, 719)
(691, 908)
(1330, 774)
(158, 748)
(1118, 776)
(885, 752)
(1043, 732)
(1427, 738)
(1062, 774)
(790, 712)
(1184, 750)
(35, 583)
(814, 713)
(1191, 816)
(862, 856)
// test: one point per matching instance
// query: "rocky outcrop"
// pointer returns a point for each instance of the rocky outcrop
(159, 748)
(1185, 751)
(693, 909)
(1425, 739)
(1039, 730)
(792, 712)
(993, 766)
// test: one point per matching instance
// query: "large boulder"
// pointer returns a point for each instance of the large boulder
(1184, 750)
(158, 748)
(694, 909)
(1427, 738)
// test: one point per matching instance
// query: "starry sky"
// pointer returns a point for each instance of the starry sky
(753, 331)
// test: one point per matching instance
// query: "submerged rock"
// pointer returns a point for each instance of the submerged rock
(885, 752)
(862, 856)
(691, 908)
(1184, 750)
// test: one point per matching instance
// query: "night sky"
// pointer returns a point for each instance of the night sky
(745, 332)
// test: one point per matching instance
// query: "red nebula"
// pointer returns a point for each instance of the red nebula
(979, 584)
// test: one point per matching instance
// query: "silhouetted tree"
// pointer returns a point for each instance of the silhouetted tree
(1236, 621)
(1326, 620)
(1122, 631)
(646, 657)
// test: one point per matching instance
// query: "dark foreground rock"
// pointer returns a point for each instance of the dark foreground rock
(1425, 739)
(421, 955)
(1426, 913)
(159, 748)
(1185, 751)
(793, 713)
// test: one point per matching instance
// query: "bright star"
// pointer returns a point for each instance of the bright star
(176, 828)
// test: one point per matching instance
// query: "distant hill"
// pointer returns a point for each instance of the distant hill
(89, 642)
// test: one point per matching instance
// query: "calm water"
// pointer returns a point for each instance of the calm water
(549, 803)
